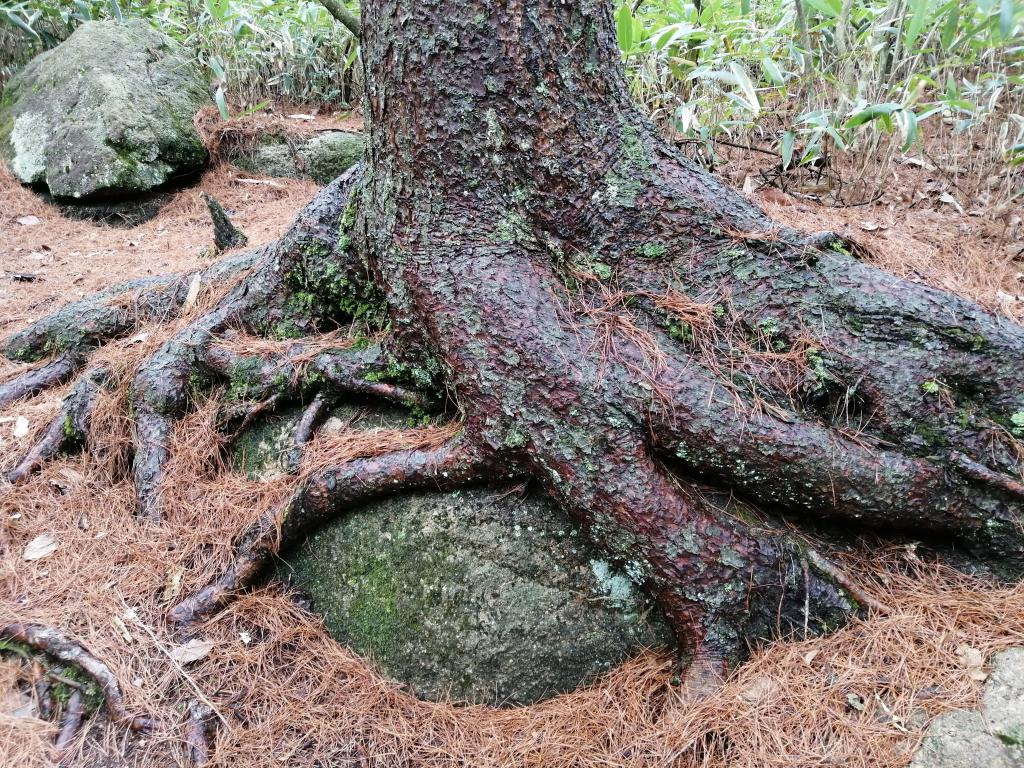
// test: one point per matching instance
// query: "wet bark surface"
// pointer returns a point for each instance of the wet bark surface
(609, 322)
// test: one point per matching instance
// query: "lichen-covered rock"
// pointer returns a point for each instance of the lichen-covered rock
(474, 595)
(107, 113)
(322, 157)
(993, 736)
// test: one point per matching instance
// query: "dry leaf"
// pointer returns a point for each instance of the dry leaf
(122, 629)
(173, 585)
(194, 650)
(193, 294)
(760, 689)
(28, 221)
(856, 701)
(20, 426)
(809, 656)
(42, 545)
(973, 661)
(72, 475)
(948, 199)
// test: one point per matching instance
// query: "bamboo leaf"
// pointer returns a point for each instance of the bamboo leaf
(918, 13)
(17, 21)
(745, 85)
(788, 140)
(873, 112)
(222, 103)
(950, 27)
(772, 71)
(624, 28)
(830, 8)
(1006, 13)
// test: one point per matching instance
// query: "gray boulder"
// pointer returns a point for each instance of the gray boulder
(107, 113)
(993, 736)
(474, 595)
(322, 157)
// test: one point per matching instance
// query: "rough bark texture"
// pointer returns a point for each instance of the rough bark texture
(610, 322)
(517, 164)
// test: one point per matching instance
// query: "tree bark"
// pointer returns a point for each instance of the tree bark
(518, 164)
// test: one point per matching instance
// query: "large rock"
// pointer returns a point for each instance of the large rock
(474, 595)
(107, 113)
(322, 157)
(992, 737)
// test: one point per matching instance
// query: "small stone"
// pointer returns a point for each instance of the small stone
(992, 737)
(322, 157)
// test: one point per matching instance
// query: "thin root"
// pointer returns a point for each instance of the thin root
(72, 721)
(840, 577)
(69, 427)
(55, 643)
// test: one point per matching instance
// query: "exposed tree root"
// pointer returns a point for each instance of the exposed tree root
(325, 495)
(68, 429)
(34, 380)
(43, 691)
(55, 643)
(983, 474)
(305, 429)
(225, 234)
(838, 576)
(197, 733)
(74, 712)
(70, 333)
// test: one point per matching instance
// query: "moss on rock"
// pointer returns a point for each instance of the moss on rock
(471, 594)
(481, 597)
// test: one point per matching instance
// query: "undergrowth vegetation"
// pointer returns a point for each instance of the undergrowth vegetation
(254, 50)
(812, 82)
(810, 79)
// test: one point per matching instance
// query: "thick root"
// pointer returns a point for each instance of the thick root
(325, 495)
(785, 460)
(197, 733)
(50, 374)
(73, 331)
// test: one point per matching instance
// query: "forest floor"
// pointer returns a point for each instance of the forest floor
(284, 693)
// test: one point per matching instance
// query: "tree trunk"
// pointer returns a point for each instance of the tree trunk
(612, 323)
(527, 224)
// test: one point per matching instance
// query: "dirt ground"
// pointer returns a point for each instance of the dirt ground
(283, 693)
